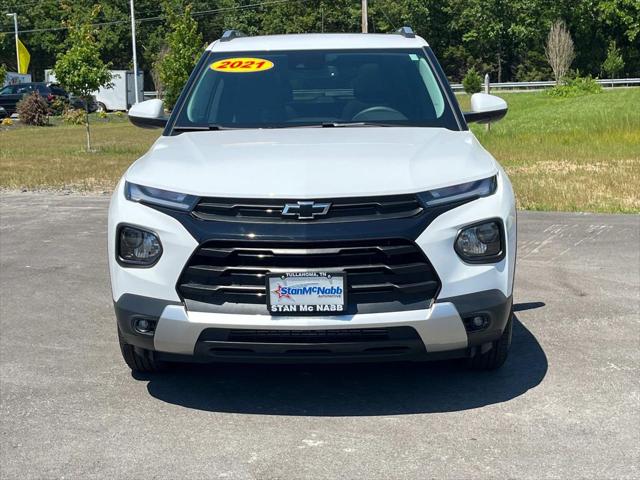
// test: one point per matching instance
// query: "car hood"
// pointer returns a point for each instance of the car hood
(312, 162)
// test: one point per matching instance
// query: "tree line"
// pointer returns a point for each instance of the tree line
(505, 38)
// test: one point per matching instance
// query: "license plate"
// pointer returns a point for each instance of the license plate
(306, 293)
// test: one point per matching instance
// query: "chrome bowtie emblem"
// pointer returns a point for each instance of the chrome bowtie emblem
(305, 210)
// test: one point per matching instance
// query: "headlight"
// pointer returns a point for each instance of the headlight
(481, 243)
(457, 193)
(137, 247)
(156, 196)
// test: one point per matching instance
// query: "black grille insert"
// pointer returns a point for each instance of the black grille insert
(309, 336)
(282, 345)
(341, 210)
(378, 272)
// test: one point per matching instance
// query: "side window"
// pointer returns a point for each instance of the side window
(43, 90)
(432, 86)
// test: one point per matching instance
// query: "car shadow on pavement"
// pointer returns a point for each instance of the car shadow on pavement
(352, 389)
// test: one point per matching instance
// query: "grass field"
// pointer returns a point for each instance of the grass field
(53, 157)
(574, 154)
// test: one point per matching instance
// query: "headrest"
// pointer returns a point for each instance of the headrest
(371, 84)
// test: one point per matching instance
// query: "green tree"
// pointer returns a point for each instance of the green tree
(614, 63)
(185, 46)
(506, 39)
(472, 82)
(80, 69)
(3, 74)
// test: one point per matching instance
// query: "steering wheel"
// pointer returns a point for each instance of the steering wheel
(378, 113)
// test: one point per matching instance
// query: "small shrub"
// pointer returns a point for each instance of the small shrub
(614, 63)
(102, 115)
(576, 87)
(119, 114)
(33, 110)
(586, 84)
(472, 81)
(58, 106)
(73, 116)
(6, 122)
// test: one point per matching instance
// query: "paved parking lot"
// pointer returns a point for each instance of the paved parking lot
(565, 405)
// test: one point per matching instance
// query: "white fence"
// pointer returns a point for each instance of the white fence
(523, 86)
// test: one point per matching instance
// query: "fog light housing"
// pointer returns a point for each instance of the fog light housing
(476, 322)
(481, 242)
(145, 326)
(137, 247)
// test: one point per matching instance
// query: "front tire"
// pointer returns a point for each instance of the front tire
(138, 359)
(102, 108)
(497, 355)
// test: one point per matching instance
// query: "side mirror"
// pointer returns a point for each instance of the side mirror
(485, 108)
(148, 114)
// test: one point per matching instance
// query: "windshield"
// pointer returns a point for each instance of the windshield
(315, 88)
(13, 89)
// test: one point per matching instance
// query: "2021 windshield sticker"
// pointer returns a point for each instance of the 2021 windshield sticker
(242, 65)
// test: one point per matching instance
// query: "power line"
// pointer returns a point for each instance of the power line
(393, 25)
(37, 3)
(161, 17)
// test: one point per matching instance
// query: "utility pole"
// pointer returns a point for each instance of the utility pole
(365, 24)
(135, 56)
(15, 28)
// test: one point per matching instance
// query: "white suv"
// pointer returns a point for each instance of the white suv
(314, 198)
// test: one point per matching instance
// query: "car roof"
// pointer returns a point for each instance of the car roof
(318, 41)
(27, 83)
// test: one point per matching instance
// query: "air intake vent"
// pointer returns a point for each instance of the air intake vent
(310, 336)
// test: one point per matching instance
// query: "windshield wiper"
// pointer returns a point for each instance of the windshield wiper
(213, 126)
(334, 125)
(200, 128)
(357, 124)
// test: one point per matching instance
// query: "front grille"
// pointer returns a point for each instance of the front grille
(378, 272)
(341, 210)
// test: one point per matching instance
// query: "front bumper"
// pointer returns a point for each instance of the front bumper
(438, 329)
(466, 289)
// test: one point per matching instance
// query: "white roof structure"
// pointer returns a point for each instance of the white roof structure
(317, 41)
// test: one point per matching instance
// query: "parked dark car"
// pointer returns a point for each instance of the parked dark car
(77, 102)
(12, 94)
